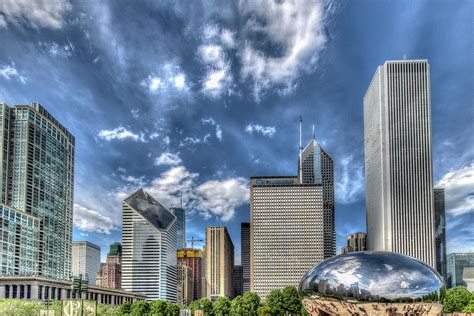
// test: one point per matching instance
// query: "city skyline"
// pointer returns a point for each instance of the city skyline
(193, 116)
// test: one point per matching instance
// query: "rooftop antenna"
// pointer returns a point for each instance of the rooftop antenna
(301, 151)
(314, 133)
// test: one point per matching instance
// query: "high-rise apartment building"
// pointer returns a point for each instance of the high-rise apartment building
(457, 263)
(440, 231)
(355, 242)
(398, 162)
(149, 248)
(85, 260)
(287, 231)
(245, 256)
(219, 263)
(237, 274)
(180, 226)
(36, 192)
(193, 259)
(110, 273)
(185, 286)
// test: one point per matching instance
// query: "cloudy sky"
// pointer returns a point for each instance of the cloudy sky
(197, 96)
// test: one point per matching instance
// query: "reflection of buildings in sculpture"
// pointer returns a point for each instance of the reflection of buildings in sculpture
(193, 258)
(355, 290)
(185, 285)
(110, 273)
(245, 256)
(323, 286)
(237, 275)
(457, 262)
(85, 260)
(440, 232)
(341, 290)
(355, 242)
(468, 278)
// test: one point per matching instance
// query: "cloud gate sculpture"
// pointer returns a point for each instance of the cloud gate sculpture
(372, 283)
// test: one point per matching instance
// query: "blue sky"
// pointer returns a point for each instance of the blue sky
(197, 96)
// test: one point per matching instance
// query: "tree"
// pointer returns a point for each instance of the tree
(158, 308)
(236, 306)
(126, 308)
(264, 310)
(250, 304)
(221, 306)
(469, 308)
(291, 299)
(456, 299)
(206, 305)
(276, 303)
(140, 308)
(172, 310)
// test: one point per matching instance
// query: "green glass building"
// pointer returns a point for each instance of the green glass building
(36, 184)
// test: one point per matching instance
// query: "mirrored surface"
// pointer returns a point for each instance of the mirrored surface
(373, 277)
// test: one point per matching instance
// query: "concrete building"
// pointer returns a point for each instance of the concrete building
(85, 260)
(440, 232)
(110, 273)
(468, 278)
(398, 162)
(193, 259)
(180, 214)
(238, 278)
(47, 289)
(457, 263)
(355, 242)
(149, 248)
(245, 256)
(219, 263)
(287, 231)
(36, 191)
(185, 285)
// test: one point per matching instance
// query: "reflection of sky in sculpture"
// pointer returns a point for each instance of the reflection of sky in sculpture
(371, 276)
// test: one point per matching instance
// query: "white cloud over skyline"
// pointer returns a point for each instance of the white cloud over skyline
(268, 131)
(38, 14)
(459, 189)
(120, 133)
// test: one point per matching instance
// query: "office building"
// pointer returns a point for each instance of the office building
(110, 273)
(180, 226)
(457, 263)
(85, 260)
(193, 259)
(219, 263)
(398, 162)
(36, 186)
(287, 234)
(440, 231)
(468, 278)
(185, 285)
(245, 255)
(148, 248)
(238, 286)
(355, 242)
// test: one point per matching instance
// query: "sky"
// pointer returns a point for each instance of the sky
(197, 96)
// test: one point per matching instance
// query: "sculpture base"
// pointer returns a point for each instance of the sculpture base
(327, 306)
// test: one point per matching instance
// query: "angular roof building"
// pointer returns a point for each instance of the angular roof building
(149, 248)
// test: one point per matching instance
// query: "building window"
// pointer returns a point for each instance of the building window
(40, 292)
(28, 291)
(7, 291)
(22, 291)
(14, 291)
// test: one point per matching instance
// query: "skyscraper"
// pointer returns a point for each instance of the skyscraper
(85, 260)
(355, 242)
(180, 226)
(219, 263)
(245, 256)
(36, 192)
(440, 231)
(193, 258)
(457, 263)
(237, 274)
(149, 248)
(398, 163)
(185, 286)
(110, 273)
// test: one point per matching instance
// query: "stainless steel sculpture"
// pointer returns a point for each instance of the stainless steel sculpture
(372, 283)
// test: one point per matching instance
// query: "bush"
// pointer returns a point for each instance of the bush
(456, 299)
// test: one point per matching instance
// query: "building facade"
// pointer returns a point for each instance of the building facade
(85, 260)
(238, 277)
(180, 226)
(110, 273)
(193, 259)
(398, 162)
(440, 232)
(185, 285)
(245, 256)
(355, 242)
(219, 263)
(287, 231)
(149, 248)
(36, 181)
(457, 263)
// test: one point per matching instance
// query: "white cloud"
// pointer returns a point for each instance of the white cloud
(227, 38)
(90, 220)
(9, 71)
(264, 130)
(295, 26)
(349, 181)
(219, 132)
(120, 133)
(169, 159)
(140, 181)
(37, 13)
(135, 113)
(211, 121)
(194, 140)
(166, 140)
(169, 78)
(56, 50)
(459, 190)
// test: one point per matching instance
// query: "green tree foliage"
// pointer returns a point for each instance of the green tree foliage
(291, 299)
(140, 308)
(206, 305)
(158, 308)
(172, 310)
(456, 299)
(251, 302)
(12, 307)
(221, 306)
(237, 305)
(126, 308)
(276, 303)
(469, 308)
(265, 310)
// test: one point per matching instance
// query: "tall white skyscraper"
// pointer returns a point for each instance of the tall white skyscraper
(398, 163)
(85, 260)
(148, 248)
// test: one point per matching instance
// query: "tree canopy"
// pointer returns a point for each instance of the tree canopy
(456, 299)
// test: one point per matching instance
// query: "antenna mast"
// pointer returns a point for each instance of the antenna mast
(300, 175)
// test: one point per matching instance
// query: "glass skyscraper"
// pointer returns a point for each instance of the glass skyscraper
(180, 226)
(440, 232)
(36, 191)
